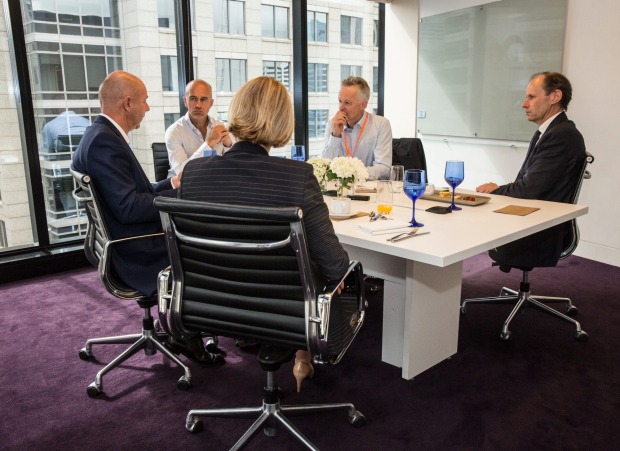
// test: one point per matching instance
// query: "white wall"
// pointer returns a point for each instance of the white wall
(592, 64)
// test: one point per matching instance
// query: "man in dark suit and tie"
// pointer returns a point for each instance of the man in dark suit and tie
(125, 191)
(552, 166)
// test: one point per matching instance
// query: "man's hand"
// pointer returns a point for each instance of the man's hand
(339, 121)
(487, 187)
(176, 180)
(219, 134)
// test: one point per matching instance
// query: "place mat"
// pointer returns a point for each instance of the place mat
(359, 214)
(517, 210)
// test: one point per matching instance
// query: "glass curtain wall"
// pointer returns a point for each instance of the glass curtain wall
(71, 45)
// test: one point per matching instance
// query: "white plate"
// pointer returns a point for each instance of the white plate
(342, 215)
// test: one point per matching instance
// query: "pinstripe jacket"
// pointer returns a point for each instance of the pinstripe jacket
(246, 174)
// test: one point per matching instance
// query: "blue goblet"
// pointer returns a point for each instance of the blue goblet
(454, 175)
(414, 186)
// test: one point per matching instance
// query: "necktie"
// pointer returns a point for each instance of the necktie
(530, 152)
(533, 142)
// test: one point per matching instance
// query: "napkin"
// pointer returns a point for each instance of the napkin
(384, 226)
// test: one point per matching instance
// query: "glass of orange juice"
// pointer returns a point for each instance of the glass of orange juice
(384, 196)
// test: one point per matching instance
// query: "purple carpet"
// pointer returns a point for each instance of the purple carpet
(541, 390)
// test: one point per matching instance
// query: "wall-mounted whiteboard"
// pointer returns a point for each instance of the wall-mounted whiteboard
(475, 63)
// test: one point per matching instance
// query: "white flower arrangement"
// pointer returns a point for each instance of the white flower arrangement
(346, 170)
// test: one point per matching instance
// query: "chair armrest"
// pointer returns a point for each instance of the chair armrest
(353, 286)
(164, 297)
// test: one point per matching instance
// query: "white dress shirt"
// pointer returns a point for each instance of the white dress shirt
(185, 142)
(374, 148)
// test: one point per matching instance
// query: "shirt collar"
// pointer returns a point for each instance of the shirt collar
(118, 127)
(545, 125)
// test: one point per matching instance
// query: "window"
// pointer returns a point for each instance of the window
(229, 16)
(350, 30)
(280, 70)
(375, 33)
(317, 26)
(165, 14)
(317, 77)
(169, 119)
(3, 240)
(316, 123)
(169, 73)
(230, 74)
(350, 71)
(375, 79)
(274, 21)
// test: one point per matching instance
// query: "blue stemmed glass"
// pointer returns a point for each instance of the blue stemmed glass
(454, 175)
(414, 186)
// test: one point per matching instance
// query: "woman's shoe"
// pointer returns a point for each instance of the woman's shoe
(302, 370)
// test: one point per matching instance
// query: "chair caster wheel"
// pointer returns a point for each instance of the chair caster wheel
(582, 336)
(93, 390)
(505, 335)
(357, 419)
(85, 354)
(183, 383)
(195, 426)
(572, 311)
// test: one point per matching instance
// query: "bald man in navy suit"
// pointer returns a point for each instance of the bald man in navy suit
(126, 193)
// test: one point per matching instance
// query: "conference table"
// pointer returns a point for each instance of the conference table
(422, 275)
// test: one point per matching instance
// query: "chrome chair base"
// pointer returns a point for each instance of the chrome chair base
(523, 299)
(150, 340)
(270, 416)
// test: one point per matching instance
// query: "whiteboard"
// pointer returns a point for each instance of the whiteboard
(475, 63)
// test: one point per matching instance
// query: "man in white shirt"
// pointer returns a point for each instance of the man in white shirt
(196, 132)
(356, 133)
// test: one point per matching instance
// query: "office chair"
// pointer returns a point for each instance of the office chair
(408, 152)
(244, 272)
(160, 161)
(98, 246)
(523, 298)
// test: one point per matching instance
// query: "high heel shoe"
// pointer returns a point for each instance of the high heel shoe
(302, 370)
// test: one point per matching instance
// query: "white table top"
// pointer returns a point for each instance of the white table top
(458, 235)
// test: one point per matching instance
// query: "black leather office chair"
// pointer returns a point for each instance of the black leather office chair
(160, 161)
(97, 247)
(523, 298)
(408, 152)
(244, 272)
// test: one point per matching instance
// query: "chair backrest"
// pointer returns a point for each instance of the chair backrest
(97, 244)
(245, 272)
(408, 152)
(160, 161)
(572, 240)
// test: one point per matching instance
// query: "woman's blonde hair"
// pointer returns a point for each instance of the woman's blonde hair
(261, 112)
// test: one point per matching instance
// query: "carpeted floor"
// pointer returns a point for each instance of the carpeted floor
(541, 390)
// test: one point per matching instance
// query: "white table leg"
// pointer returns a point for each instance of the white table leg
(420, 309)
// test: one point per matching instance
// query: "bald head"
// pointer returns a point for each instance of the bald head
(195, 83)
(123, 97)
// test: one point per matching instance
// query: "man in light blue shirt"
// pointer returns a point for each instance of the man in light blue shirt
(196, 132)
(356, 133)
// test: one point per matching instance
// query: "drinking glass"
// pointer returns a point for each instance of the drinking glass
(384, 196)
(396, 177)
(298, 153)
(414, 186)
(454, 175)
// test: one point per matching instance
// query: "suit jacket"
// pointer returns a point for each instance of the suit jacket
(551, 171)
(126, 196)
(246, 174)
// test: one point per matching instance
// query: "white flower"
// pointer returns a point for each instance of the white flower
(320, 167)
(348, 168)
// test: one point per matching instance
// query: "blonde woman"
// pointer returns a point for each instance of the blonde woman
(261, 117)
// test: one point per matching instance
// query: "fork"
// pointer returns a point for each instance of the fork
(404, 236)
